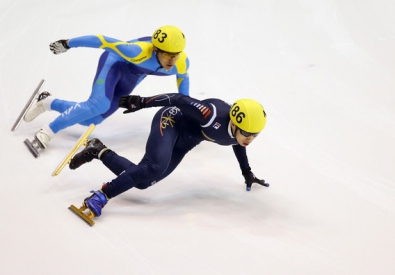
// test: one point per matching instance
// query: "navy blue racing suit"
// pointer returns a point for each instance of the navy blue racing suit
(176, 129)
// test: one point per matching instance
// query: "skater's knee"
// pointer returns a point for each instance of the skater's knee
(145, 185)
(147, 175)
(154, 170)
(95, 120)
(98, 106)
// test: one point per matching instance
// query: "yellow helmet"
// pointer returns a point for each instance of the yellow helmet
(169, 39)
(248, 115)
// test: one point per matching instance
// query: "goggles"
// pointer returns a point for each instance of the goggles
(169, 55)
(247, 134)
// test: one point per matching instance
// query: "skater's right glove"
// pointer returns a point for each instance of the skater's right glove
(59, 46)
(132, 103)
(250, 179)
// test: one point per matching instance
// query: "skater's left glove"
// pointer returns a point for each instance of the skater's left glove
(250, 179)
(132, 103)
(59, 46)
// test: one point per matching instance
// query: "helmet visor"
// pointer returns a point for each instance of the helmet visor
(247, 134)
(169, 55)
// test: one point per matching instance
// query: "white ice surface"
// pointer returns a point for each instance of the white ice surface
(324, 71)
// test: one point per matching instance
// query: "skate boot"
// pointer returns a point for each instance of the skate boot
(96, 202)
(44, 136)
(94, 150)
(40, 141)
(38, 108)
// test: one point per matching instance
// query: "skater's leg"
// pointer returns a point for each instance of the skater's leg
(117, 164)
(107, 76)
(106, 79)
(177, 156)
(97, 150)
(165, 149)
(60, 105)
(184, 144)
(79, 112)
(118, 92)
(159, 151)
(43, 104)
(124, 86)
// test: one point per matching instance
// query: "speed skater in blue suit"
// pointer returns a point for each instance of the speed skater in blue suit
(182, 123)
(122, 66)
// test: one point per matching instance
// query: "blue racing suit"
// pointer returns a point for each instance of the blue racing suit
(121, 68)
(178, 127)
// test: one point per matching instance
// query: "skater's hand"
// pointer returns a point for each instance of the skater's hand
(59, 46)
(132, 103)
(250, 179)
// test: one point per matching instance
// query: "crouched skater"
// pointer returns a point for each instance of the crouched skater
(181, 124)
(122, 66)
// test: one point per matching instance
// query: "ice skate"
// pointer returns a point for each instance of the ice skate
(91, 207)
(38, 108)
(34, 146)
(40, 141)
(83, 140)
(94, 149)
(28, 105)
(96, 202)
(44, 136)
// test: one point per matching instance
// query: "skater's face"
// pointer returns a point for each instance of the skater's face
(167, 60)
(242, 137)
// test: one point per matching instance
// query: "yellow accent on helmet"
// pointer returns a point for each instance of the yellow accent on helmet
(248, 115)
(169, 39)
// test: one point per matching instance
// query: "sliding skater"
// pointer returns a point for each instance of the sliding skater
(176, 129)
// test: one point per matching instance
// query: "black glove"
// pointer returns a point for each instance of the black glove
(132, 103)
(59, 46)
(250, 179)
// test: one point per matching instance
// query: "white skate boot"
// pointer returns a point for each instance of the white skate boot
(40, 141)
(40, 107)
(44, 136)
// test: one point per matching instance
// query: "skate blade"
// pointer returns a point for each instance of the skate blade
(32, 148)
(83, 140)
(80, 213)
(28, 105)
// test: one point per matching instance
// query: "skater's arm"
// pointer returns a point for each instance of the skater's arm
(87, 41)
(182, 66)
(183, 84)
(128, 50)
(133, 51)
(241, 155)
(200, 110)
(249, 177)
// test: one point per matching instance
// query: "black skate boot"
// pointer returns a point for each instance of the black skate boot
(94, 150)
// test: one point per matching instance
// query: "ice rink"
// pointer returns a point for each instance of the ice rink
(324, 71)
